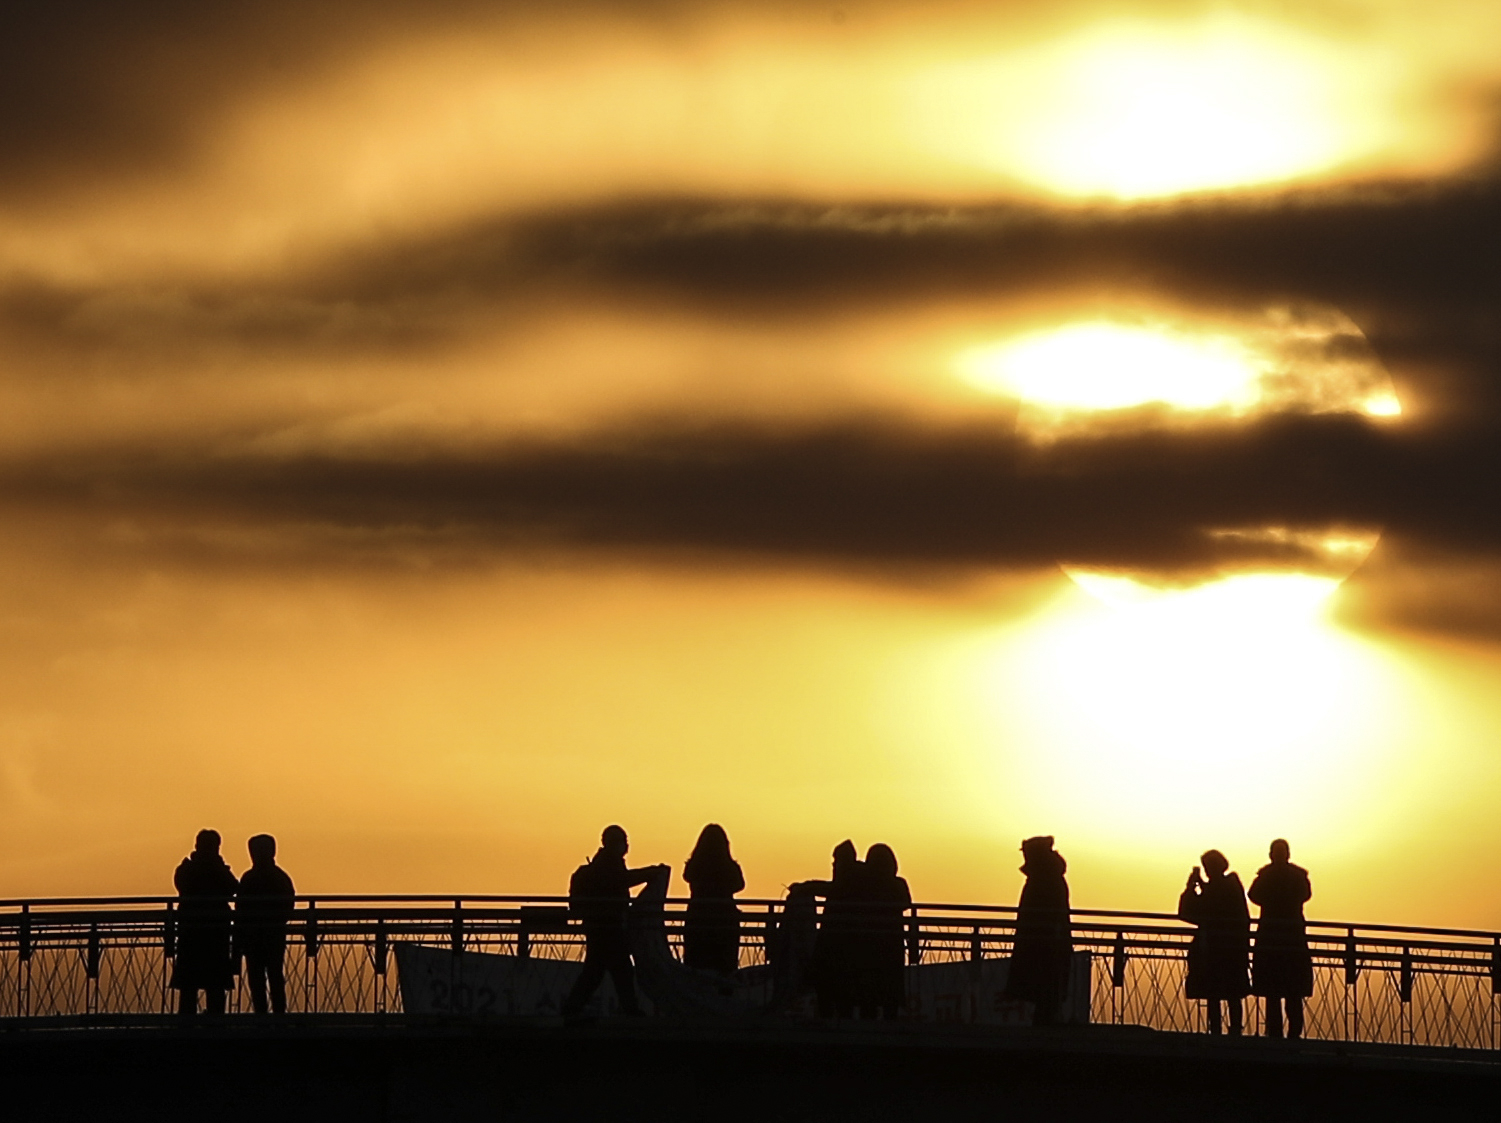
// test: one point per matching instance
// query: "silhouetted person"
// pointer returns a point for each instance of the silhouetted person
(262, 910)
(833, 966)
(1220, 952)
(1282, 971)
(205, 887)
(883, 942)
(600, 896)
(711, 931)
(1044, 947)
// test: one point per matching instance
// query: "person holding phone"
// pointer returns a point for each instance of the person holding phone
(1219, 956)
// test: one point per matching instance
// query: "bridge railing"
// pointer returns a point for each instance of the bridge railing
(113, 956)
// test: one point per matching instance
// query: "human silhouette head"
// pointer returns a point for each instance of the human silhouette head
(713, 842)
(1037, 846)
(881, 859)
(262, 850)
(1280, 851)
(613, 841)
(207, 842)
(845, 857)
(1215, 864)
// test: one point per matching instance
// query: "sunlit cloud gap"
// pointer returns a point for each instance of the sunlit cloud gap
(1134, 110)
(1282, 363)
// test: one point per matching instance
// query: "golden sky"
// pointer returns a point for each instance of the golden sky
(430, 432)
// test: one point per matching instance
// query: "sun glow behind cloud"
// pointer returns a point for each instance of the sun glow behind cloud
(1231, 711)
(1314, 361)
(1132, 109)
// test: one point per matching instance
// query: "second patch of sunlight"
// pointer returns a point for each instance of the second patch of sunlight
(1093, 366)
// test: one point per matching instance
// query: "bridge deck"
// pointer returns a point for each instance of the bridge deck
(399, 1068)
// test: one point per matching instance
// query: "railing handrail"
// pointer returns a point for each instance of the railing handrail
(39, 908)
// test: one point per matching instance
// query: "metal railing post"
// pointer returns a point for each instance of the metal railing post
(310, 942)
(456, 933)
(23, 964)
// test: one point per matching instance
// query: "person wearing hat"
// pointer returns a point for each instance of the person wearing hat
(1043, 951)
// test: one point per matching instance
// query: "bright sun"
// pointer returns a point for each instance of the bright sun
(1132, 109)
(1136, 114)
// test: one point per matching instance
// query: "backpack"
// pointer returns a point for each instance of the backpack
(583, 890)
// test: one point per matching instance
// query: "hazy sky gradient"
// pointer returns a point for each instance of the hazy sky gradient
(429, 432)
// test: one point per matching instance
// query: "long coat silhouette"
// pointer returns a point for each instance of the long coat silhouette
(1220, 952)
(711, 930)
(1044, 942)
(834, 973)
(204, 923)
(879, 951)
(1282, 967)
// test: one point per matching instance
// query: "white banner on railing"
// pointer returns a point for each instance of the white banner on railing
(436, 981)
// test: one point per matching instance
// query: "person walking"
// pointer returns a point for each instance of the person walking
(711, 930)
(263, 908)
(600, 896)
(1043, 952)
(205, 886)
(1282, 969)
(1219, 955)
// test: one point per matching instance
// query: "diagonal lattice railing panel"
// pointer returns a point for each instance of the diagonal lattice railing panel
(1410, 986)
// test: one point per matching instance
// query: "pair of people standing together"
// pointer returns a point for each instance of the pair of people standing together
(211, 937)
(1281, 972)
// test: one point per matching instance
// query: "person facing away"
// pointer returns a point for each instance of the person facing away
(833, 967)
(262, 910)
(600, 896)
(1282, 969)
(711, 931)
(1043, 952)
(205, 886)
(883, 942)
(1219, 955)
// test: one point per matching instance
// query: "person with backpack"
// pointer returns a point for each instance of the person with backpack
(599, 895)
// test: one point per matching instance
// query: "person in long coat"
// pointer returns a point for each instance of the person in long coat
(1219, 956)
(711, 930)
(1282, 969)
(1044, 947)
(205, 886)
(883, 941)
(833, 967)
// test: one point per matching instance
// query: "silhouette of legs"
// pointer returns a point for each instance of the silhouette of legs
(604, 955)
(1237, 1016)
(261, 969)
(1274, 1017)
(213, 1001)
(1294, 1017)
